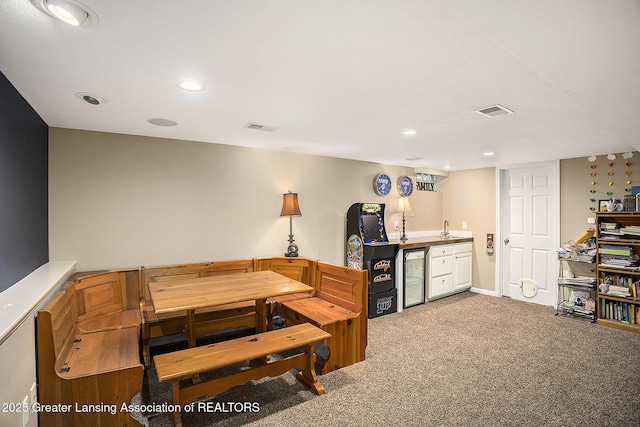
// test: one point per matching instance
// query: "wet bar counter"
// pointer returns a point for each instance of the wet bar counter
(447, 268)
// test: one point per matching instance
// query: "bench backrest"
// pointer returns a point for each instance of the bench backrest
(191, 271)
(98, 296)
(225, 267)
(169, 272)
(343, 286)
(299, 268)
(57, 327)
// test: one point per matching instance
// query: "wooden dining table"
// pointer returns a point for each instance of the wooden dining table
(203, 292)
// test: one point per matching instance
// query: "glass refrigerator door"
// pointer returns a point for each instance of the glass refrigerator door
(414, 285)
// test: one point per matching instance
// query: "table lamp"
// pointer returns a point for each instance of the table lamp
(290, 207)
(404, 208)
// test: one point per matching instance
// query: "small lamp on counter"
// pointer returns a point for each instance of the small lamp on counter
(290, 207)
(405, 209)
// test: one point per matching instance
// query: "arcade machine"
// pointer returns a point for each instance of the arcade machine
(368, 247)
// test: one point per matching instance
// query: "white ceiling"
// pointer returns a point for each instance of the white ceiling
(344, 78)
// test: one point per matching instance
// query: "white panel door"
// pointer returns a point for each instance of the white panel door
(528, 231)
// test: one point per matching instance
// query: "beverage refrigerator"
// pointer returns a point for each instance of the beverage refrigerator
(414, 283)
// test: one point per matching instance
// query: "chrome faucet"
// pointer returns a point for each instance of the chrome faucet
(445, 232)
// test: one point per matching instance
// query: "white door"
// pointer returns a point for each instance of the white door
(529, 230)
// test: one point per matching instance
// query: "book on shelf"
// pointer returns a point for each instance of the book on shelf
(631, 230)
(608, 225)
(619, 261)
(624, 251)
(621, 311)
(618, 266)
(620, 285)
(619, 291)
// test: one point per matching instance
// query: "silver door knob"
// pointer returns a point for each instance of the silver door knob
(506, 241)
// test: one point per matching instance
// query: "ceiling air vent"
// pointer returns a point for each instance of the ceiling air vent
(494, 111)
(257, 126)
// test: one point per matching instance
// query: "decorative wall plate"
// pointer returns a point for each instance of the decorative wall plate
(382, 184)
(405, 186)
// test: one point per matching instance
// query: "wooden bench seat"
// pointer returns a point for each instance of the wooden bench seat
(185, 364)
(96, 353)
(84, 369)
(339, 307)
(320, 311)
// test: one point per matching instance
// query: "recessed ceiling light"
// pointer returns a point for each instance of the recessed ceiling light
(447, 167)
(410, 132)
(91, 98)
(71, 12)
(489, 154)
(414, 158)
(162, 122)
(190, 85)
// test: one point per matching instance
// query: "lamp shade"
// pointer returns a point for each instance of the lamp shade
(403, 205)
(290, 205)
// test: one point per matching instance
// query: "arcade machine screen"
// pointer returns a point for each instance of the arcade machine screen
(372, 228)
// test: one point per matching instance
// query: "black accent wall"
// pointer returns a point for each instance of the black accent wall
(24, 145)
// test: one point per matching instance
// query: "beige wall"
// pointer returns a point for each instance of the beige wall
(575, 186)
(121, 201)
(471, 196)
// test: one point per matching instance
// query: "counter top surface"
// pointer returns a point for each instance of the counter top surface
(422, 242)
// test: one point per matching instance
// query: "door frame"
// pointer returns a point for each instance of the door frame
(555, 220)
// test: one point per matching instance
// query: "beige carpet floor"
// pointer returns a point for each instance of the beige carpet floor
(465, 360)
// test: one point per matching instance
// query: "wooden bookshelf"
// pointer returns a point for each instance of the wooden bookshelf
(617, 243)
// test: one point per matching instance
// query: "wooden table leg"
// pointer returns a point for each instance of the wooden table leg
(191, 328)
(191, 336)
(261, 313)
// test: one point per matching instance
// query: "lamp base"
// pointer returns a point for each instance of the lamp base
(404, 237)
(292, 250)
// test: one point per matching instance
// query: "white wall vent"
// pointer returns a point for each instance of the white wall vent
(257, 126)
(494, 111)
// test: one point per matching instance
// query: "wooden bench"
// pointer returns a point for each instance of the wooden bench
(185, 364)
(207, 320)
(104, 301)
(97, 371)
(339, 307)
(299, 268)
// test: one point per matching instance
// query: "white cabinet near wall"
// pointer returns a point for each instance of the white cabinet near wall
(449, 270)
(462, 267)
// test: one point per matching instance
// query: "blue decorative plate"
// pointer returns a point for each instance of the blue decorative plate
(405, 186)
(382, 184)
